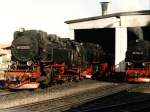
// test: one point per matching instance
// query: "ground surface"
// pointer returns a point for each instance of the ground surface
(26, 97)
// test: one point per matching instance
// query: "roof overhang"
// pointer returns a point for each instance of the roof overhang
(124, 19)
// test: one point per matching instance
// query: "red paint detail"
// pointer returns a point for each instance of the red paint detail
(24, 78)
(61, 69)
(138, 74)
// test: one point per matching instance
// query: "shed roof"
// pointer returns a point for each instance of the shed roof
(142, 12)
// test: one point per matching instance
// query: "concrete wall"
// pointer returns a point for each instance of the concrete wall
(120, 49)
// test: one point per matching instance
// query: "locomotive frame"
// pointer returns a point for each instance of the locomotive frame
(39, 59)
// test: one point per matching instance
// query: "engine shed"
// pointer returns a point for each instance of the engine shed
(112, 32)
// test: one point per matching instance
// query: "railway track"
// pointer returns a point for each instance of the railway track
(7, 94)
(67, 102)
(125, 101)
(3, 92)
(140, 105)
(27, 97)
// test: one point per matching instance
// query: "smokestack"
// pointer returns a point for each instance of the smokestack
(104, 6)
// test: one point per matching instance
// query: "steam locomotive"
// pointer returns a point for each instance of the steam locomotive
(138, 61)
(39, 59)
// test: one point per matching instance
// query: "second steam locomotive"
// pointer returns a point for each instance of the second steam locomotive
(138, 61)
(39, 59)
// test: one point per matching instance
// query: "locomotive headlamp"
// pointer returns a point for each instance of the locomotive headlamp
(44, 50)
(10, 63)
(29, 63)
(129, 63)
(144, 64)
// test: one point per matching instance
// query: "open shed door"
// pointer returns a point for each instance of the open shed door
(105, 37)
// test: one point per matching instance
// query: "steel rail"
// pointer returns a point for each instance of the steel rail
(67, 102)
(134, 106)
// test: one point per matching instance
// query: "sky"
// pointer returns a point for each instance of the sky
(49, 15)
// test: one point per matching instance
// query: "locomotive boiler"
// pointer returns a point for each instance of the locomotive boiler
(138, 61)
(42, 59)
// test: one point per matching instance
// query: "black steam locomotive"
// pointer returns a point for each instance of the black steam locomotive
(42, 59)
(138, 61)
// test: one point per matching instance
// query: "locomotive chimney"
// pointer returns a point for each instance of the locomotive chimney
(21, 29)
(138, 32)
(104, 6)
